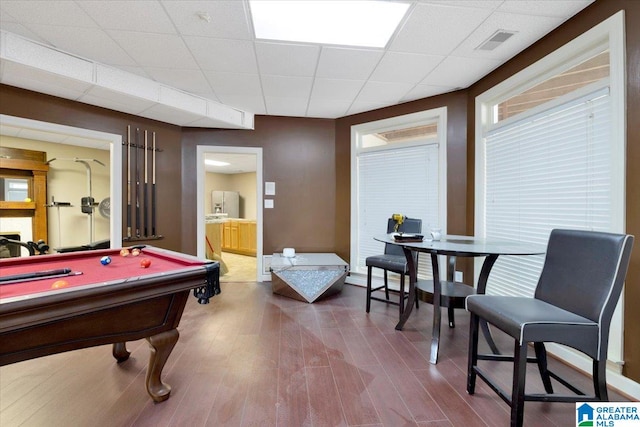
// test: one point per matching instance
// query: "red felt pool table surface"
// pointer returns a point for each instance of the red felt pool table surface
(89, 270)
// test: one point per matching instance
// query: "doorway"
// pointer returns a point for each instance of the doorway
(250, 211)
(67, 135)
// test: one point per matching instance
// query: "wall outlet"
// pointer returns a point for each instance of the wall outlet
(266, 264)
(457, 276)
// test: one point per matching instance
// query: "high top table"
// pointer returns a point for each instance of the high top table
(454, 246)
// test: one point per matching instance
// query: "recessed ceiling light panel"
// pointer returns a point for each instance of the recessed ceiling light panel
(351, 23)
(211, 162)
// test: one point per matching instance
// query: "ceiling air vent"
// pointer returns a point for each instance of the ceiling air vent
(496, 40)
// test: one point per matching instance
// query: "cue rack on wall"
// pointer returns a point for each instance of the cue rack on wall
(140, 157)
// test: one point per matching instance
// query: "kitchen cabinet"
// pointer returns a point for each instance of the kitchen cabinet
(239, 236)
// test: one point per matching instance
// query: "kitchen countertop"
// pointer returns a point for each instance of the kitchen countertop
(223, 220)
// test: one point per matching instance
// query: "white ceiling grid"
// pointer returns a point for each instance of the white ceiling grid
(167, 42)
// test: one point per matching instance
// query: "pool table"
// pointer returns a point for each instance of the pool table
(100, 304)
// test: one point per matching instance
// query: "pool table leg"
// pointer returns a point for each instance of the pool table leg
(161, 346)
(120, 352)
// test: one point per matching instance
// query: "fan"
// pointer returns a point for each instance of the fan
(105, 207)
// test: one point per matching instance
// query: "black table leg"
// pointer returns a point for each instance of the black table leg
(437, 312)
(411, 298)
(482, 287)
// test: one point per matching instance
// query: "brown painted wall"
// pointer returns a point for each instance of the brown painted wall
(299, 156)
(32, 105)
(591, 16)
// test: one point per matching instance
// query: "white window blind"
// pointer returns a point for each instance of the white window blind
(550, 170)
(399, 180)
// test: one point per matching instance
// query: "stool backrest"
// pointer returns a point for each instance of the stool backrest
(409, 225)
(584, 272)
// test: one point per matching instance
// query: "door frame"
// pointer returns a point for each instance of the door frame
(201, 150)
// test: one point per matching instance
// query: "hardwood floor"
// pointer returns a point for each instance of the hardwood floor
(251, 358)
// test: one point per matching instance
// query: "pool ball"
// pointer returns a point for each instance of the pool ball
(59, 284)
(124, 252)
(135, 252)
(145, 262)
(105, 260)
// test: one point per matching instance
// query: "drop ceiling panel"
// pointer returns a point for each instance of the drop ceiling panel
(342, 63)
(437, 29)
(253, 104)
(456, 72)
(329, 108)
(144, 16)
(21, 30)
(528, 29)
(134, 70)
(61, 13)
(477, 4)
(555, 8)
(287, 87)
(234, 83)
(223, 55)
(425, 91)
(283, 106)
(188, 80)
(83, 42)
(362, 106)
(154, 50)
(404, 67)
(228, 20)
(383, 93)
(336, 89)
(287, 59)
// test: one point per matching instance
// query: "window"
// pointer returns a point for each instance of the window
(398, 166)
(550, 154)
(592, 70)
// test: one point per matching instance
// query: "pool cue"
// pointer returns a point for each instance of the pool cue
(36, 274)
(28, 277)
(153, 185)
(129, 181)
(146, 182)
(137, 184)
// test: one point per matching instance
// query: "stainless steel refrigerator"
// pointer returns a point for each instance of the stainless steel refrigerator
(227, 202)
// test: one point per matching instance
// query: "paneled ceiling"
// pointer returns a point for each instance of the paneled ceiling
(221, 64)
